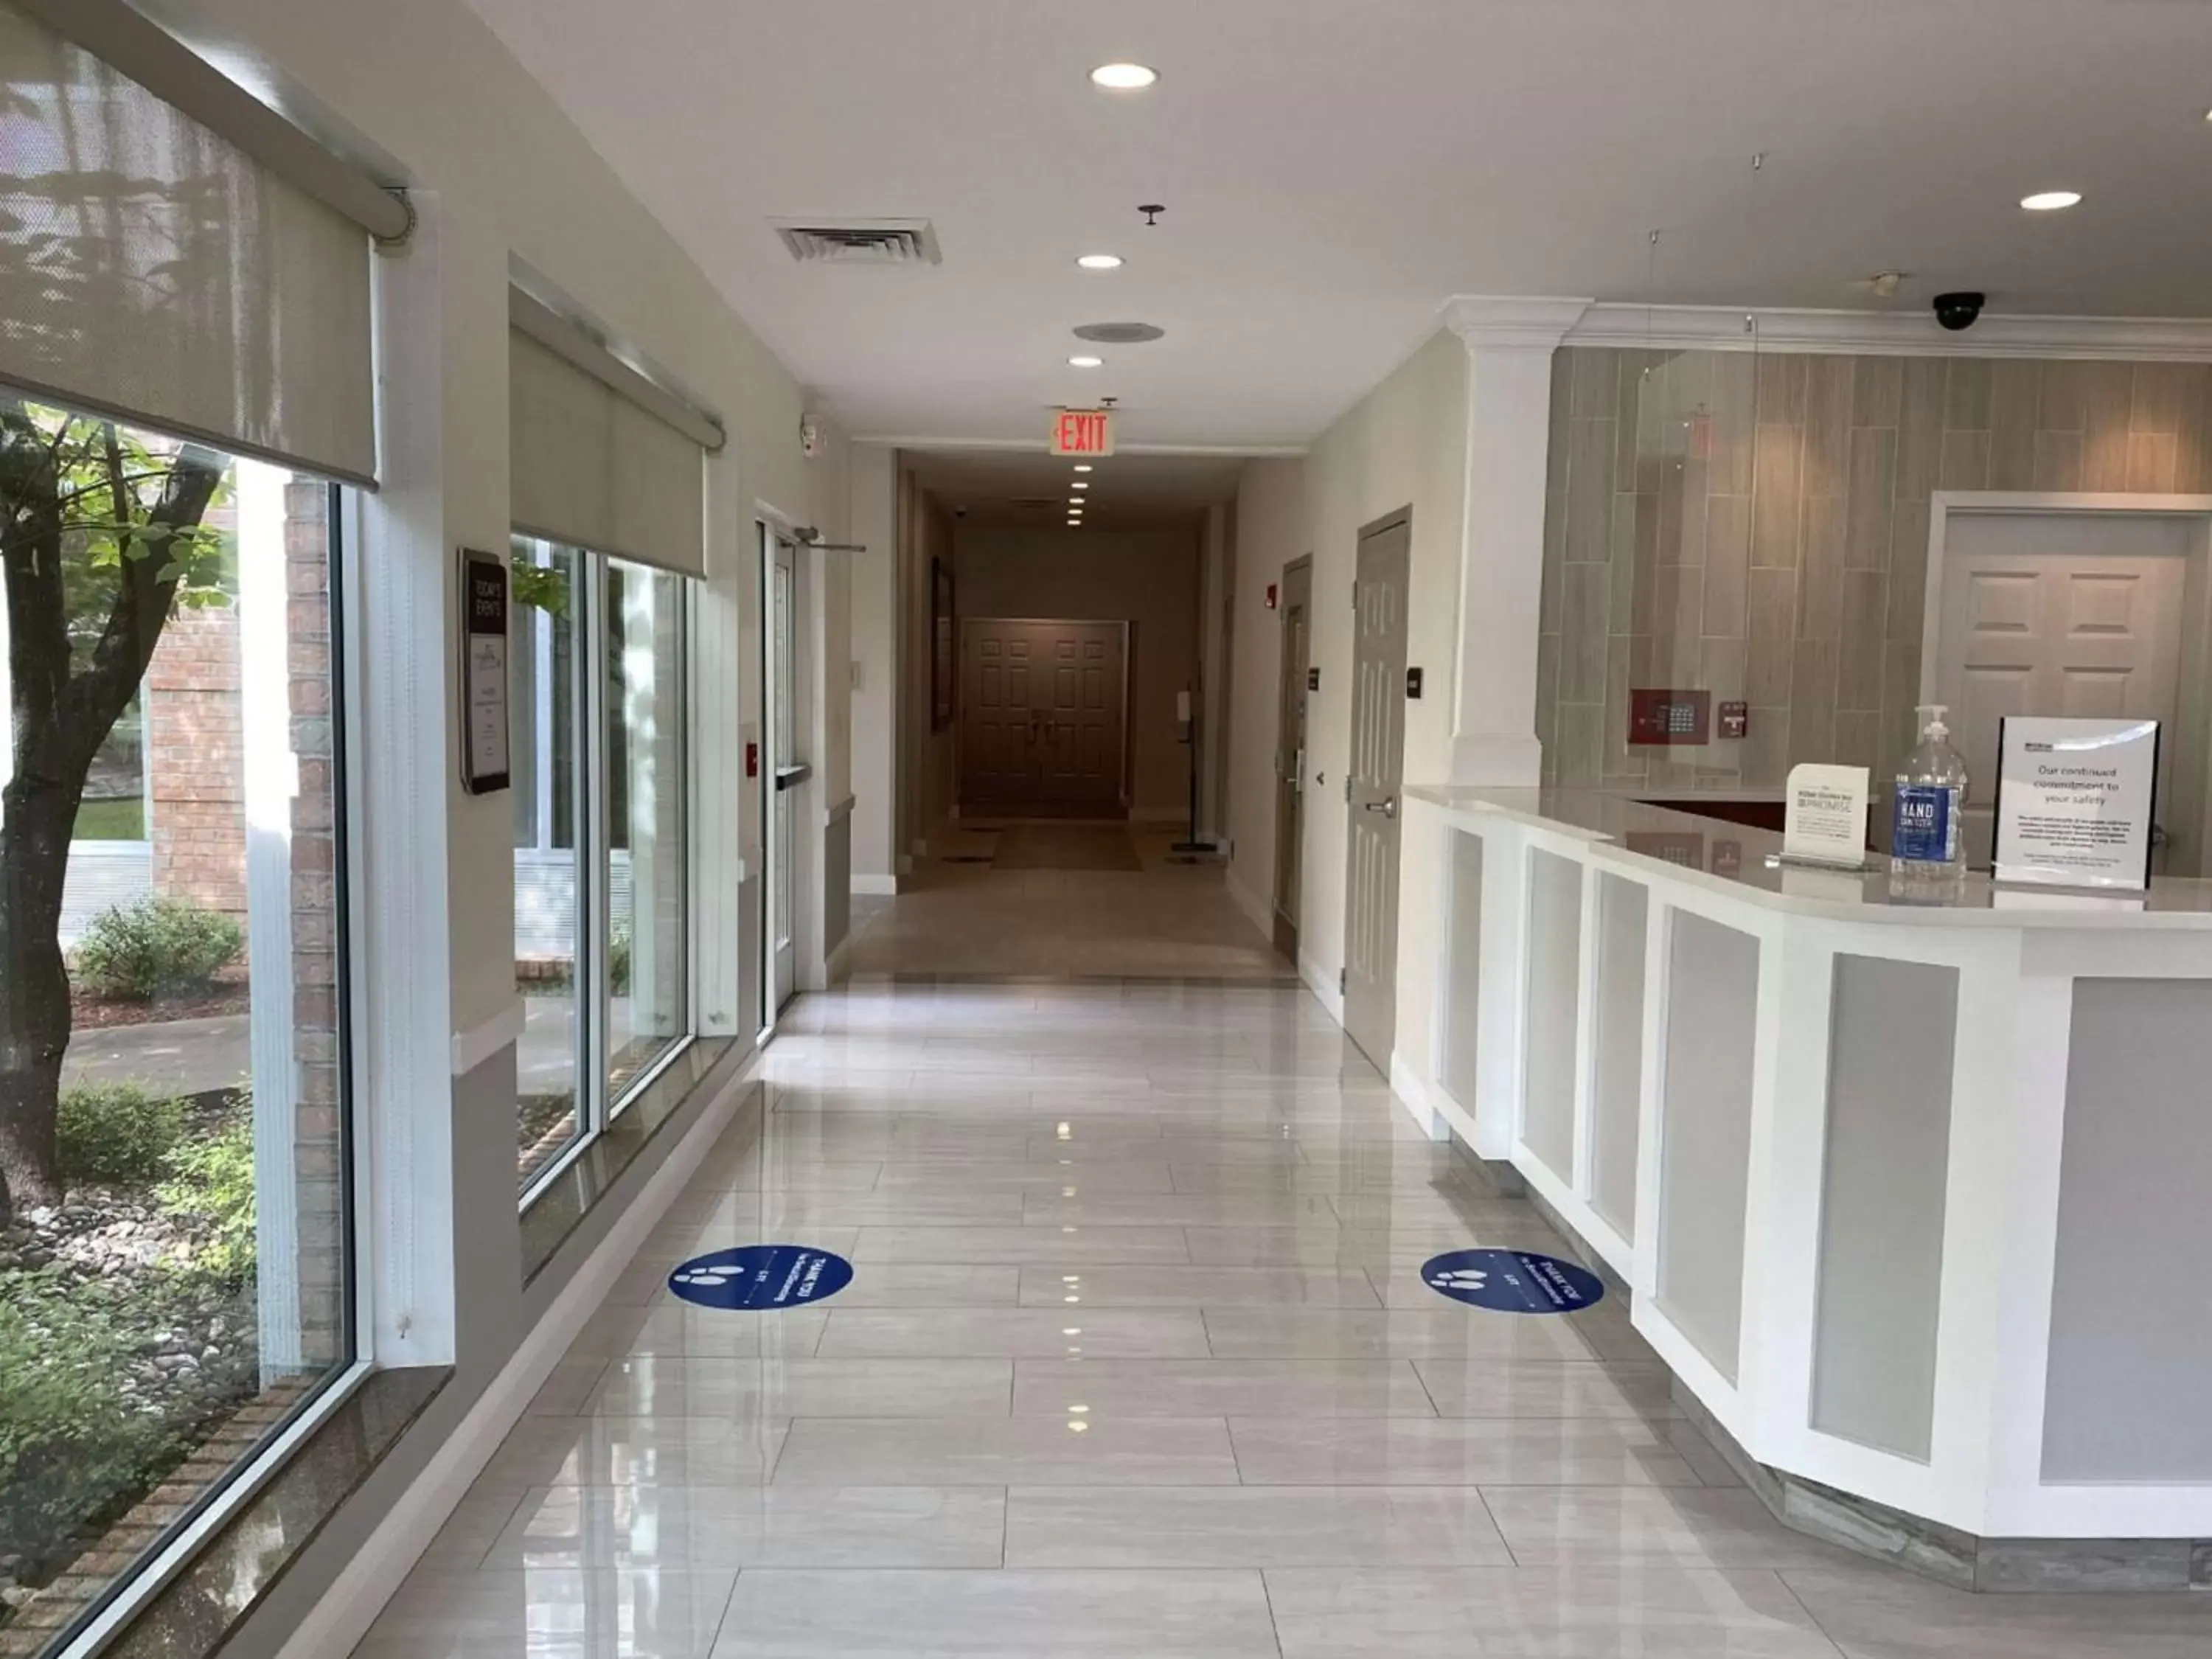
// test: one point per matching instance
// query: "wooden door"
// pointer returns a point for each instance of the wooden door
(1290, 750)
(1378, 749)
(2076, 615)
(1043, 717)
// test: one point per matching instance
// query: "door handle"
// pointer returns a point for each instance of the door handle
(1387, 806)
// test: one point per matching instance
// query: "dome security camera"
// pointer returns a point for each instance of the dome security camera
(1958, 312)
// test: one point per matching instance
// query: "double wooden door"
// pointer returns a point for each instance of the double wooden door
(1043, 726)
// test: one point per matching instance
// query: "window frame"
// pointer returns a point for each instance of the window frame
(129, 1592)
(598, 1104)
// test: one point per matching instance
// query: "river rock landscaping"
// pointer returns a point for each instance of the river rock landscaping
(128, 1323)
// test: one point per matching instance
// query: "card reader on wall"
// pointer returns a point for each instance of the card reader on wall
(1669, 717)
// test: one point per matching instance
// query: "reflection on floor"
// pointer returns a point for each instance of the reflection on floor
(1137, 1364)
(1066, 902)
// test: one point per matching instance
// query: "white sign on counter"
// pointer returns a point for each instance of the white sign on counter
(2075, 798)
(1824, 818)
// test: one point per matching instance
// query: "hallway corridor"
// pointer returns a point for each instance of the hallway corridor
(1136, 1364)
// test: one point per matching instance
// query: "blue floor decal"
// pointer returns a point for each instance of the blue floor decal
(761, 1276)
(1513, 1281)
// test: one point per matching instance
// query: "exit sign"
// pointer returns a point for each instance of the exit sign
(1083, 432)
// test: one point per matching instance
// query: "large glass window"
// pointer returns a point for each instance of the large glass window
(647, 1007)
(175, 1199)
(601, 859)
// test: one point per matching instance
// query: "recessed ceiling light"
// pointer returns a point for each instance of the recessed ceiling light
(1100, 261)
(1076, 501)
(1086, 363)
(2048, 201)
(1123, 78)
(1080, 484)
(1080, 467)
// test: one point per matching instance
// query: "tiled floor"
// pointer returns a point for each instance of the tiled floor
(1136, 1365)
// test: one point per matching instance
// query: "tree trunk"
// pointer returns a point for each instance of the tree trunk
(35, 825)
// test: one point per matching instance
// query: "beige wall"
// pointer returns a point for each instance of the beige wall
(1786, 565)
(876, 659)
(1403, 445)
(1149, 577)
(928, 783)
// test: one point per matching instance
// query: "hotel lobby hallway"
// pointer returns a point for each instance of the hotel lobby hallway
(1137, 1360)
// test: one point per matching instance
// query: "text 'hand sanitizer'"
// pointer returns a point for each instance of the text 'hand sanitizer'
(1931, 798)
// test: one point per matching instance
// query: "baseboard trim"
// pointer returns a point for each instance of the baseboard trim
(840, 963)
(1257, 910)
(875, 886)
(1413, 1095)
(341, 1619)
(1324, 985)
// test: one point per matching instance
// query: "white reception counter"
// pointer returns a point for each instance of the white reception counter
(1912, 1191)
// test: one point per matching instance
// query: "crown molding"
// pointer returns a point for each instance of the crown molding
(1506, 320)
(1889, 333)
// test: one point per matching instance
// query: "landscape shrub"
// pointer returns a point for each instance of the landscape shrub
(71, 1443)
(158, 946)
(115, 1133)
(211, 1183)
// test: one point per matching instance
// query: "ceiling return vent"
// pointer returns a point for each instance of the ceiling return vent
(1033, 501)
(860, 241)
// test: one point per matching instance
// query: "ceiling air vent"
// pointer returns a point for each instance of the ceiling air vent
(860, 241)
(1033, 501)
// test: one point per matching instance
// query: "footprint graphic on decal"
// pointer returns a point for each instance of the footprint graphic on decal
(709, 1277)
(1460, 1278)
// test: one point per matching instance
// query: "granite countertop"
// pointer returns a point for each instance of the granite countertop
(1739, 861)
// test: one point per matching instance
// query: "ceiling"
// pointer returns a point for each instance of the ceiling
(1030, 487)
(1332, 172)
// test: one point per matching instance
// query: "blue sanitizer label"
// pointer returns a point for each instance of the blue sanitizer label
(1920, 824)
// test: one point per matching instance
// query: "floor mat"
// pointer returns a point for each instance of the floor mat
(1066, 846)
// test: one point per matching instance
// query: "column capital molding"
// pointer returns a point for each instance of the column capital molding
(1526, 321)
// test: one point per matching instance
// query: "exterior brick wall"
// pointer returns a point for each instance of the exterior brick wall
(318, 1142)
(195, 761)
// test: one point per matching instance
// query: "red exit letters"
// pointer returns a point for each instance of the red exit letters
(1083, 432)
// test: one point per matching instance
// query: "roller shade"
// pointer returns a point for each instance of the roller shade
(152, 271)
(594, 468)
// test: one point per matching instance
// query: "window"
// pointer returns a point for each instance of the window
(648, 1011)
(175, 1282)
(551, 907)
(602, 946)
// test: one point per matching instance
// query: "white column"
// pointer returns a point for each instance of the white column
(1509, 342)
(272, 781)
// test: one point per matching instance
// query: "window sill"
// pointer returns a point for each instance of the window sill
(228, 1574)
(564, 1200)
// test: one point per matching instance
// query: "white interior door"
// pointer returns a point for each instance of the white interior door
(1378, 751)
(2056, 613)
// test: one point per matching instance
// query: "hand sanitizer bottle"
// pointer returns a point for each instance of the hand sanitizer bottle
(1930, 800)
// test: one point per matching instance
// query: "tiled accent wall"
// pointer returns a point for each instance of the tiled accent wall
(1756, 525)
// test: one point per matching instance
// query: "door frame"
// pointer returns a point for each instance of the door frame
(2192, 736)
(1128, 630)
(1287, 927)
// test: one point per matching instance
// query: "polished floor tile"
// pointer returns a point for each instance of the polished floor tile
(1413, 1451)
(1684, 1526)
(1137, 1363)
(791, 1526)
(1072, 1245)
(1197, 1287)
(1484, 1613)
(1208, 1388)
(685, 1387)
(1024, 1332)
(1376, 1333)
(615, 1451)
(1535, 1388)
(999, 1615)
(1250, 1526)
(1877, 1615)
(564, 1613)
(1035, 1451)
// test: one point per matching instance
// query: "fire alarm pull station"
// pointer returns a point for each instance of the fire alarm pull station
(1273, 598)
(752, 760)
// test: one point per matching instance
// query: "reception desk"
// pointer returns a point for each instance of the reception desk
(1911, 1187)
